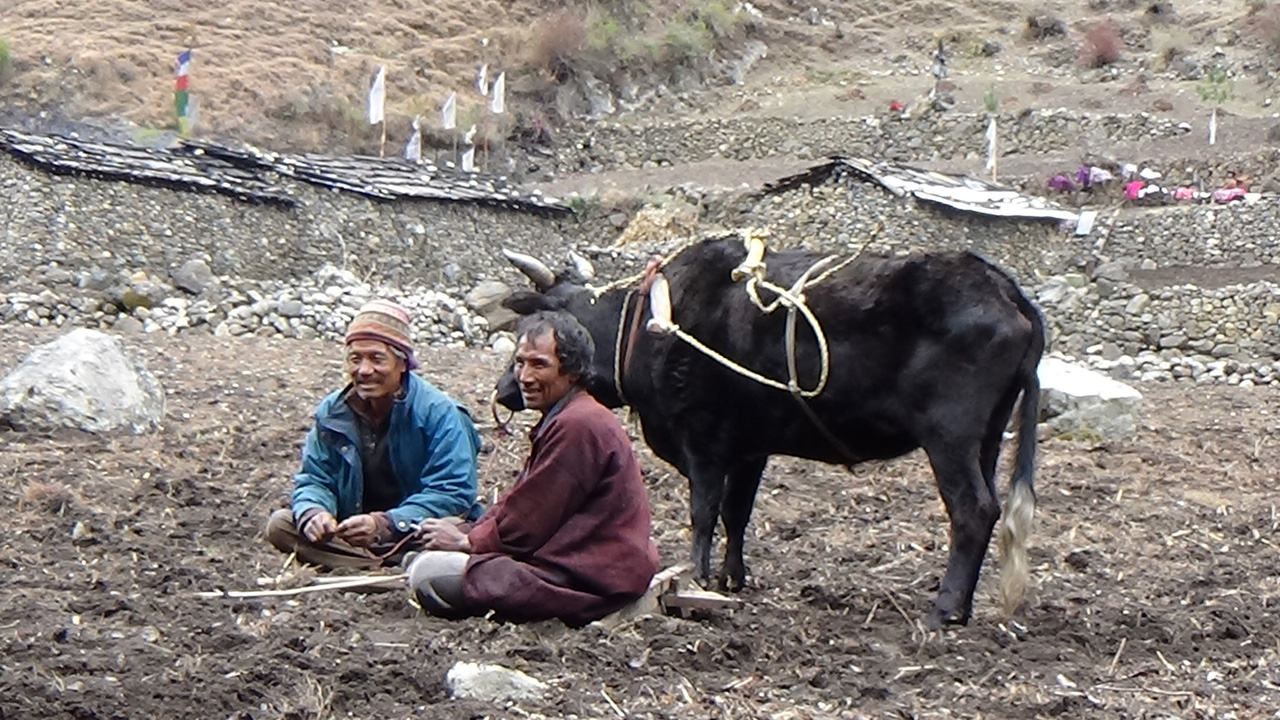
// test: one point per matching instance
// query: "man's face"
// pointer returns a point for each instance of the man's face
(537, 369)
(374, 370)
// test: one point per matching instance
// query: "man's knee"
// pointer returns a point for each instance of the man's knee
(436, 579)
(281, 532)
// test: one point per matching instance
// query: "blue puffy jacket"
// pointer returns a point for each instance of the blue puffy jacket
(433, 446)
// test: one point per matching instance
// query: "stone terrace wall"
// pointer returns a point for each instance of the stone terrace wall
(59, 234)
(83, 225)
(947, 136)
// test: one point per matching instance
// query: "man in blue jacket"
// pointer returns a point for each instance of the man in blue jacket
(386, 452)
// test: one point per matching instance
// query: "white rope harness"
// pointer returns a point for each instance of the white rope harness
(753, 270)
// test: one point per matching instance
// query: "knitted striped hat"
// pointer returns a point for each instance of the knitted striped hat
(387, 322)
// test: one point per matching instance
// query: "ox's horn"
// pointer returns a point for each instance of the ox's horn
(532, 267)
(584, 267)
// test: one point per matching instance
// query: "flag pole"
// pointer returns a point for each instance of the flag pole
(382, 147)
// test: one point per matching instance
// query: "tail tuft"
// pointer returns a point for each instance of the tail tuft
(1015, 529)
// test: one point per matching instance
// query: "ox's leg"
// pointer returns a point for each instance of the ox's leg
(739, 498)
(973, 510)
(706, 489)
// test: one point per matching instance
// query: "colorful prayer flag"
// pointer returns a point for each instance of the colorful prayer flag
(449, 112)
(499, 104)
(378, 97)
(181, 98)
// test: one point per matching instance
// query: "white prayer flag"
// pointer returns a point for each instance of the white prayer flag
(482, 80)
(449, 113)
(469, 159)
(470, 136)
(413, 149)
(378, 96)
(499, 104)
(991, 144)
(1213, 127)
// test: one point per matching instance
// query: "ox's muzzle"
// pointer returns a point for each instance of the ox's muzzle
(507, 393)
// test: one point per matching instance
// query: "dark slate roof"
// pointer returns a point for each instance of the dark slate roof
(956, 191)
(252, 175)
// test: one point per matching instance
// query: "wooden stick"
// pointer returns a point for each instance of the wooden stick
(336, 585)
(612, 704)
(1123, 641)
(898, 607)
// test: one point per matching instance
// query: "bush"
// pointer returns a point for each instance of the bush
(1102, 45)
(560, 43)
(1168, 44)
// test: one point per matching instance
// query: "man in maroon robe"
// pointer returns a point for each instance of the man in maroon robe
(571, 538)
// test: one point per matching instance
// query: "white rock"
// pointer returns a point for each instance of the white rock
(86, 380)
(1078, 400)
(492, 683)
(503, 345)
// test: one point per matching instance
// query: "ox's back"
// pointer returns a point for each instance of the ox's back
(902, 332)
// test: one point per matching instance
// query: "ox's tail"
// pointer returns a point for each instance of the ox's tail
(1020, 506)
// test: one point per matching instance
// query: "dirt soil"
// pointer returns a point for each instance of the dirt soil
(1154, 558)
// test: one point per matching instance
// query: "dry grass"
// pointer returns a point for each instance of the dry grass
(1168, 43)
(51, 498)
(1101, 45)
(261, 70)
(295, 74)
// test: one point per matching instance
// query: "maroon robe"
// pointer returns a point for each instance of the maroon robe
(571, 538)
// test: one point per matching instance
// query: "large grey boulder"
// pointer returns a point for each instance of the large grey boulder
(194, 276)
(84, 380)
(486, 300)
(492, 683)
(1078, 402)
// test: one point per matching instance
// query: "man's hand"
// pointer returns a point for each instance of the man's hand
(319, 527)
(361, 530)
(439, 534)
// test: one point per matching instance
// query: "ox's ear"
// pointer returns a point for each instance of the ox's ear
(525, 302)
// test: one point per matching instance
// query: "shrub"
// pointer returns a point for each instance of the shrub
(1169, 43)
(686, 40)
(559, 44)
(1042, 27)
(1102, 45)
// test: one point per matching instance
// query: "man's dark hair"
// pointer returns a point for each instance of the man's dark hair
(574, 347)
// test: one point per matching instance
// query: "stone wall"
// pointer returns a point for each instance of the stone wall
(931, 136)
(70, 247)
(84, 225)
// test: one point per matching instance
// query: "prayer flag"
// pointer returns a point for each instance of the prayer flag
(449, 113)
(470, 136)
(181, 98)
(413, 149)
(499, 104)
(469, 159)
(482, 80)
(378, 96)
(991, 144)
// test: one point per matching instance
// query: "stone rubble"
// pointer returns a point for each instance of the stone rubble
(317, 307)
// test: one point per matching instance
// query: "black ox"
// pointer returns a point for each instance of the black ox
(928, 351)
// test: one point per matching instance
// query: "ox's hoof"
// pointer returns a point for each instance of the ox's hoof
(944, 617)
(735, 584)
